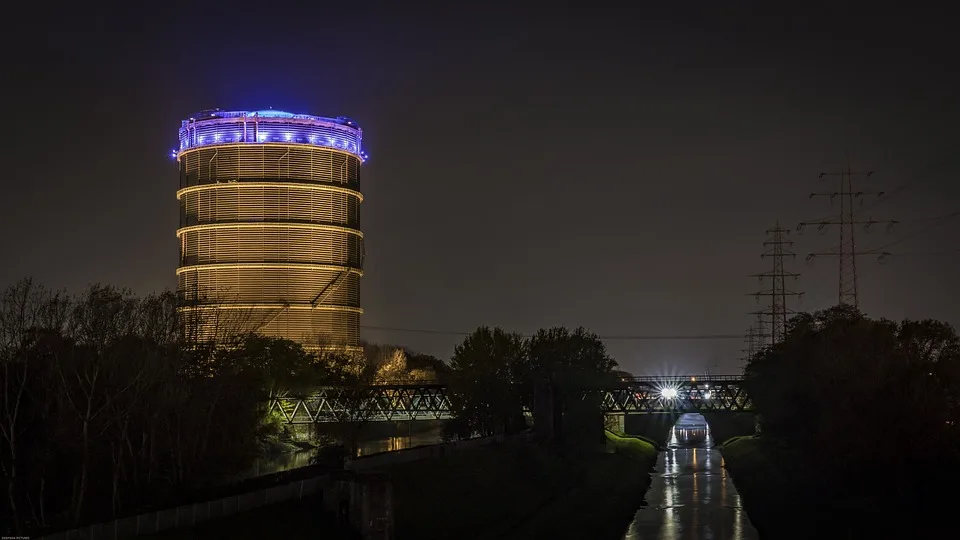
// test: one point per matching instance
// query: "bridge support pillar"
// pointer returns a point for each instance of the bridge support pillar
(656, 426)
(724, 425)
(547, 413)
(614, 422)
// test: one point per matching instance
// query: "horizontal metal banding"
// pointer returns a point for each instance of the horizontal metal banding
(251, 128)
(260, 185)
(258, 285)
(277, 243)
(271, 203)
(284, 307)
(269, 225)
(293, 266)
(274, 162)
(324, 326)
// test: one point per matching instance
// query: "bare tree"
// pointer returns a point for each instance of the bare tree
(92, 377)
(26, 310)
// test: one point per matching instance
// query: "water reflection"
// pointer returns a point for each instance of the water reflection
(371, 444)
(279, 463)
(392, 444)
(679, 502)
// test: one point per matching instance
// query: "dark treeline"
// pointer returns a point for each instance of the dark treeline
(105, 408)
(858, 415)
(495, 374)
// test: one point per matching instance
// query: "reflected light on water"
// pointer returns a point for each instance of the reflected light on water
(737, 518)
(679, 501)
(400, 442)
(389, 444)
(696, 494)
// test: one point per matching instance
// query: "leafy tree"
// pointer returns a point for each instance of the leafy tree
(879, 395)
(485, 378)
(394, 364)
(572, 360)
(279, 365)
(432, 367)
(574, 363)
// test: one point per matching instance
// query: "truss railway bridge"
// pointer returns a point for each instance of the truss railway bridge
(645, 405)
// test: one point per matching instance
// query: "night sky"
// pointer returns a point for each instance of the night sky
(614, 170)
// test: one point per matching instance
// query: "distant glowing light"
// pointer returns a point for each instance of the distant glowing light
(707, 395)
(668, 393)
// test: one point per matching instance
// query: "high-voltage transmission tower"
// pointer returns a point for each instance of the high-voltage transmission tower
(847, 221)
(775, 249)
(754, 340)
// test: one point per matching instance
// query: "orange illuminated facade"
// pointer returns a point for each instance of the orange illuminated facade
(269, 232)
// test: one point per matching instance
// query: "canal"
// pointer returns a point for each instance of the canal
(691, 496)
(374, 441)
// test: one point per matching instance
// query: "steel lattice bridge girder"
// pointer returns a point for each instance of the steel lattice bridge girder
(644, 395)
(375, 403)
(430, 401)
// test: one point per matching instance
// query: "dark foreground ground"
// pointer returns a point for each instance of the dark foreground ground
(501, 491)
(300, 519)
(785, 499)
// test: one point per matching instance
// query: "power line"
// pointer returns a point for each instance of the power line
(676, 337)
(883, 197)
(935, 167)
(938, 221)
(884, 255)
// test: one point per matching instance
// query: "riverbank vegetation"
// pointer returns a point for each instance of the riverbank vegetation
(858, 426)
(637, 448)
(107, 408)
(494, 373)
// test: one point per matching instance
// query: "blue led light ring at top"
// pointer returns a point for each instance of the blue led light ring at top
(212, 128)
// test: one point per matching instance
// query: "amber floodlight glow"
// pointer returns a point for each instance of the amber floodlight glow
(269, 226)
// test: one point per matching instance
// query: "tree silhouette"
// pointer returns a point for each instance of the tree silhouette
(879, 395)
(575, 364)
(485, 384)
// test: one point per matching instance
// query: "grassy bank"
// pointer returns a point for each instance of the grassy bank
(521, 491)
(633, 446)
(763, 488)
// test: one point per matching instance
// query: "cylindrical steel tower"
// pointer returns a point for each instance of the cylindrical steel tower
(269, 226)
